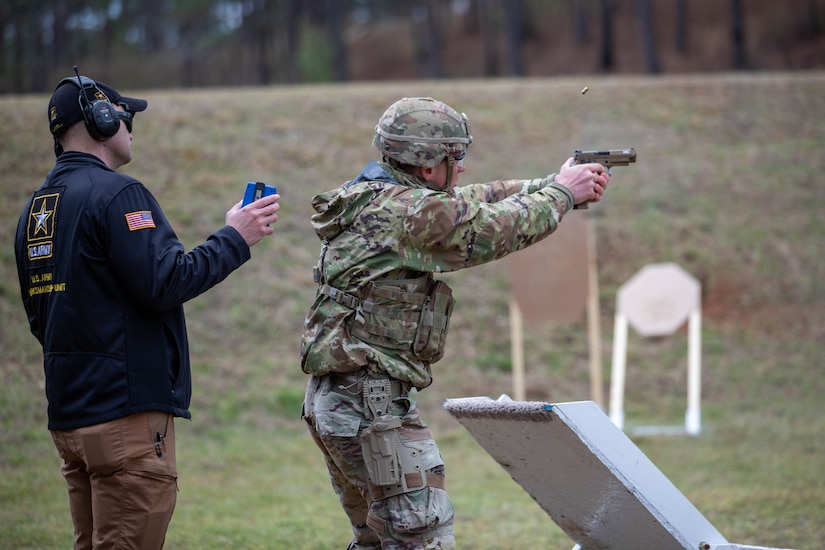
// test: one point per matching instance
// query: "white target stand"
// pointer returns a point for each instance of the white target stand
(656, 301)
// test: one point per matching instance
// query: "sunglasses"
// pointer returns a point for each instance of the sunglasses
(460, 156)
(126, 117)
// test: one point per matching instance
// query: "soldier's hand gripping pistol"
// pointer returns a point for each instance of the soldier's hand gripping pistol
(608, 159)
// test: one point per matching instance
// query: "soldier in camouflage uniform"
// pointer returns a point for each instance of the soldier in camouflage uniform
(380, 318)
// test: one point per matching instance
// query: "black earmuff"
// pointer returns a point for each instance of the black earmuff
(99, 114)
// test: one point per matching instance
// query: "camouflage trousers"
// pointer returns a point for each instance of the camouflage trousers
(419, 519)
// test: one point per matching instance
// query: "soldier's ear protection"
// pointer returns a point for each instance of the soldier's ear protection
(98, 115)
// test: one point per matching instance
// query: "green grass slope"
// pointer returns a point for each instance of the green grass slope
(728, 184)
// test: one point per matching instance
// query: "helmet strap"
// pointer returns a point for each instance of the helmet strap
(450, 168)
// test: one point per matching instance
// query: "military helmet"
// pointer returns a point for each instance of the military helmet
(421, 131)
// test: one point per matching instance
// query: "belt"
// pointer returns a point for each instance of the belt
(352, 384)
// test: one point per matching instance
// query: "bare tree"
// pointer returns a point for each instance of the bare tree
(292, 34)
(106, 40)
(643, 12)
(28, 65)
(738, 34)
(434, 50)
(815, 23)
(680, 36)
(192, 23)
(513, 34)
(261, 36)
(58, 50)
(488, 36)
(5, 16)
(606, 24)
(150, 14)
(14, 28)
(579, 14)
(334, 13)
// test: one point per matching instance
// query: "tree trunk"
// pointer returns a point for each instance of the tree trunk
(336, 41)
(814, 18)
(59, 50)
(293, 37)
(434, 50)
(648, 35)
(513, 34)
(606, 57)
(738, 34)
(680, 36)
(579, 14)
(488, 38)
(265, 29)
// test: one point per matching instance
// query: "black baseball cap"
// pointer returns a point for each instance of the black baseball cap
(64, 106)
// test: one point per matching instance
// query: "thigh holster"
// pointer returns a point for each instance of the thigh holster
(393, 467)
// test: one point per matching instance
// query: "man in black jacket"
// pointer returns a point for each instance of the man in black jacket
(103, 279)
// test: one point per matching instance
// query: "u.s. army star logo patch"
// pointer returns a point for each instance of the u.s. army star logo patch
(41, 226)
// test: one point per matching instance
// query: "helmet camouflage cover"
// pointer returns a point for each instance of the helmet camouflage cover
(421, 131)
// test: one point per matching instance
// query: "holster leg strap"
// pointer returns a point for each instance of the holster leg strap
(412, 482)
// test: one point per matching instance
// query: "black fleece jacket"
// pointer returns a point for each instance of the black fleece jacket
(103, 279)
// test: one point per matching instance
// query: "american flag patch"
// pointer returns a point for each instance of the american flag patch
(139, 220)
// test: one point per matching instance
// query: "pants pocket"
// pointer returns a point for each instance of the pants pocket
(413, 515)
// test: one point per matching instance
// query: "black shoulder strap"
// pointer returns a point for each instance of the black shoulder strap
(372, 172)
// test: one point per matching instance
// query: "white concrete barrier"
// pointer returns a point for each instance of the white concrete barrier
(587, 475)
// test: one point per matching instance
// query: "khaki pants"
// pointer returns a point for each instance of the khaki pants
(122, 481)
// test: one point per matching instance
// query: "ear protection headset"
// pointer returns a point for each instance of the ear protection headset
(98, 115)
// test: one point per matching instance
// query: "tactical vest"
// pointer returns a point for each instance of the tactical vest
(410, 315)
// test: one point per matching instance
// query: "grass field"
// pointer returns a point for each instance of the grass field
(727, 185)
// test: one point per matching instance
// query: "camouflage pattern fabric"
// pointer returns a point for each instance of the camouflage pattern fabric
(419, 519)
(378, 229)
(421, 132)
(386, 224)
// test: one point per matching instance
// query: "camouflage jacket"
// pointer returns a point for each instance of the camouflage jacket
(386, 224)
